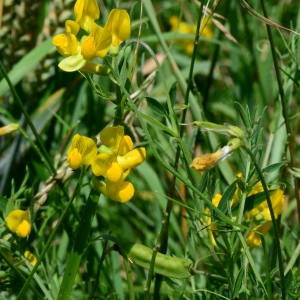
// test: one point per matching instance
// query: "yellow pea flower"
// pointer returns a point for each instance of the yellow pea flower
(118, 24)
(95, 45)
(262, 210)
(121, 191)
(81, 152)
(18, 221)
(68, 45)
(253, 239)
(30, 257)
(86, 11)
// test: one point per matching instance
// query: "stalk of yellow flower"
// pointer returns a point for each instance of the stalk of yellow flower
(81, 152)
(86, 11)
(18, 221)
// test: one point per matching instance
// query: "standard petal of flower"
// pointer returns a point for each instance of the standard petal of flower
(100, 164)
(72, 63)
(103, 39)
(82, 151)
(122, 191)
(125, 146)
(118, 23)
(132, 159)
(112, 136)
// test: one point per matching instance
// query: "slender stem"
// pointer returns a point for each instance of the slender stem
(53, 232)
(284, 110)
(46, 156)
(276, 233)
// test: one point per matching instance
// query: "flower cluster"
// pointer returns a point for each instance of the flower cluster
(258, 215)
(96, 42)
(112, 162)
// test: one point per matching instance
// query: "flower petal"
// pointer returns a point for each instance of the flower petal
(132, 159)
(111, 137)
(72, 63)
(122, 191)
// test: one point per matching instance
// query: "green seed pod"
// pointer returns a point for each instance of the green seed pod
(165, 265)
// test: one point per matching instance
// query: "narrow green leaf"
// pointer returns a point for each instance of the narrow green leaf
(227, 197)
(238, 282)
(3, 203)
(173, 93)
(156, 107)
(273, 167)
(242, 114)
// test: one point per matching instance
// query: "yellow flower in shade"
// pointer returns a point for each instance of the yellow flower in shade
(9, 128)
(215, 201)
(118, 24)
(185, 28)
(95, 45)
(30, 257)
(262, 210)
(86, 11)
(253, 239)
(81, 152)
(18, 221)
(121, 191)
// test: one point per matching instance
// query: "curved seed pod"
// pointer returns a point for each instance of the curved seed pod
(165, 265)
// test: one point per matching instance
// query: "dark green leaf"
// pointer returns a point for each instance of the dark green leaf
(173, 93)
(156, 106)
(273, 167)
(227, 197)
(256, 199)
(243, 114)
(3, 203)
(238, 282)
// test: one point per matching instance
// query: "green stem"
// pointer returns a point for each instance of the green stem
(53, 232)
(284, 110)
(45, 156)
(79, 246)
(276, 234)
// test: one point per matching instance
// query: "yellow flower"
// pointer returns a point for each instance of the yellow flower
(81, 152)
(114, 162)
(116, 154)
(18, 221)
(118, 24)
(121, 191)
(185, 28)
(262, 210)
(207, 161)
(30, 257)
(9, 128)
(86, 11)
(67, 45)
(253, 239)
(95, 45)
(215, 201)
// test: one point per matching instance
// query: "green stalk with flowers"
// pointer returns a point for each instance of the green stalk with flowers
(134, 187)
